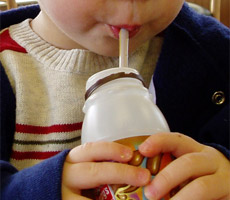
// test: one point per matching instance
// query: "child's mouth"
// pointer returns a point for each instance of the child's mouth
(133, 29)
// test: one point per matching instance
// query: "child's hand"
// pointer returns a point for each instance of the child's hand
(206, 168)
(82, 171)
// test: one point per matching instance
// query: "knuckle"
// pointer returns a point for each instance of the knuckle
(180, 135)
(188, 160)
(128, 171)
(93, 169)
(130, 174)
(164, 177)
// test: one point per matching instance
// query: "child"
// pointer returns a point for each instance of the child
(46, 61)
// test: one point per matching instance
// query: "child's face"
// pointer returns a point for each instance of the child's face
(94, 24)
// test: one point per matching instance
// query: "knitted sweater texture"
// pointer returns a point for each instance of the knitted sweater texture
(49, 85)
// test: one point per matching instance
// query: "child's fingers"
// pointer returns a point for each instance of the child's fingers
(100, 151)
(83, 171)
(91, 174)
(176, 143)
(186, 167)
(203, 188)
(194, 161)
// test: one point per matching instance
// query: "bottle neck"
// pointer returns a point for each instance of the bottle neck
(111, 77)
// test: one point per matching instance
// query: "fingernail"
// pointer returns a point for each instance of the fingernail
(149, 194)
(144, 147)
(127, 154)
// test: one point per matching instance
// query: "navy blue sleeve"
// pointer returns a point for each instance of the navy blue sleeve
(42, 181)
(7, 114)
(18, 15)
(217, 129)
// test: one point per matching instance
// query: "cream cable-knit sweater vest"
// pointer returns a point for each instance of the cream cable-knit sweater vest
(49, 85)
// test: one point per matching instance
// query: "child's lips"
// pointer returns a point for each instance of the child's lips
(133, 30)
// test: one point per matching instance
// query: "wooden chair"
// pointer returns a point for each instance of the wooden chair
(10, 3)
(213, 6)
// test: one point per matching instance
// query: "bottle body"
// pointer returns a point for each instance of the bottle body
(119, 109)
(122, 110)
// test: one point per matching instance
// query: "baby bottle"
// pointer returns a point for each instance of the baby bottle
(119, 108)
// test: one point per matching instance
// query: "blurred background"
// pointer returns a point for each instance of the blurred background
(221, 6)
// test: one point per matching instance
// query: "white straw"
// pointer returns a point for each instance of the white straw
(123, 48)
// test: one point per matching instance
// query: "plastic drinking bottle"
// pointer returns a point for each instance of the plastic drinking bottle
(119, 108)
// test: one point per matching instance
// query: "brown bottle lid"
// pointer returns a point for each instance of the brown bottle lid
(111, 77)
